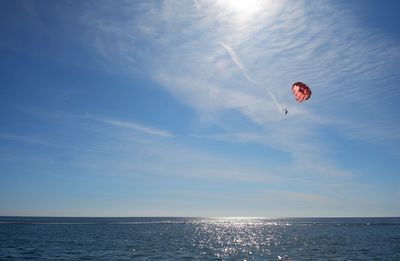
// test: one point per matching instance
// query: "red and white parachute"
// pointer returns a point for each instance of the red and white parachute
(301, 91)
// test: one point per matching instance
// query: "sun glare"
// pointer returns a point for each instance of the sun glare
(245, 7)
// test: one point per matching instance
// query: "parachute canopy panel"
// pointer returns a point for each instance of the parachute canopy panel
(301, 91)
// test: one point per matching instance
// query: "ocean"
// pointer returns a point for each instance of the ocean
(48, 238)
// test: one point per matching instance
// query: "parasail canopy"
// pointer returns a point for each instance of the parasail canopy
(301, 91)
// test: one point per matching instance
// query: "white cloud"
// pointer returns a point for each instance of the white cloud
(23, 139)
(180, 46)
(134, 126)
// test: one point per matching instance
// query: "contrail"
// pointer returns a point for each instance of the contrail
(236, 60)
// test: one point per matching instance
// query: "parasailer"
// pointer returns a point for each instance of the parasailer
(301, 91)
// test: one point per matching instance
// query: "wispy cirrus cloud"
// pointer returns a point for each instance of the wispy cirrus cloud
(193, 51)
(135, 126)
(23, 139)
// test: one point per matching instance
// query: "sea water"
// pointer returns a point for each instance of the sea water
(23, 238)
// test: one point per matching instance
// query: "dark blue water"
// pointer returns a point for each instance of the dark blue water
(24, 238)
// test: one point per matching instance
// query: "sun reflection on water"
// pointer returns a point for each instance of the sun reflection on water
(238, 237)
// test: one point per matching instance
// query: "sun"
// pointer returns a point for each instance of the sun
(245, 7)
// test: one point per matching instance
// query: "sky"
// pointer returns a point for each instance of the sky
(175, 108)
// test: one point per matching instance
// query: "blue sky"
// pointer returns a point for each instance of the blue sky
(173, 108)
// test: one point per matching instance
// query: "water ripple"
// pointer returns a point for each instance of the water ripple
(199, 239)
